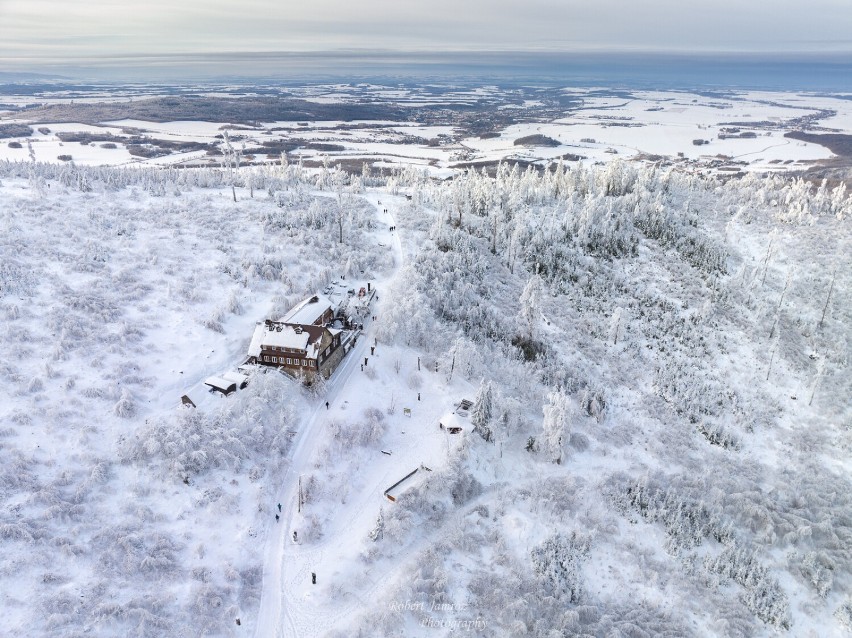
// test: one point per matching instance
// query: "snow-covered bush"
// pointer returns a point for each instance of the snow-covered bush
(762, 593)
(191, 441)
(844, 614)
(558, 562)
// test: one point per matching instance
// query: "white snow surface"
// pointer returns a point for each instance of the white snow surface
(697, 363)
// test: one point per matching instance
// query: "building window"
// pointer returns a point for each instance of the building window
(289, 361)
(311, 362)
(266, 357)
(274, 359)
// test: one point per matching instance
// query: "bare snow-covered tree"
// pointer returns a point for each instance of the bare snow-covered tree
(616, 325)
(462, 357)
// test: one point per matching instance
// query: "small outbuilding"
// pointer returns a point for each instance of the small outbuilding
(218, 384)
(453, 423)
(458, 420)
(240, 379)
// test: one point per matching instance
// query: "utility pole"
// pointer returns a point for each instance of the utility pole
(828, 298)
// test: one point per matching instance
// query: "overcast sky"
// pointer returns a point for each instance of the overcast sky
(63, 30)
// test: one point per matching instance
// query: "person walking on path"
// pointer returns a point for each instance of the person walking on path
(326, 405)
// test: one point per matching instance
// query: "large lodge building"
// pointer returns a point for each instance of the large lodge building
(301, 343)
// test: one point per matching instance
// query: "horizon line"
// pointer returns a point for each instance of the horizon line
(444, 52)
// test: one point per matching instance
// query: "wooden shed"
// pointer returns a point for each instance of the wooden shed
(218, 384)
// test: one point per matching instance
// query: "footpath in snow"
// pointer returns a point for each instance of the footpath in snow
(291, 604)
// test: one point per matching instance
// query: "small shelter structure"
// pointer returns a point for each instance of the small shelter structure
(237, 377)
(393, 492)
(458, 420)
(453, 423)
(218, 384)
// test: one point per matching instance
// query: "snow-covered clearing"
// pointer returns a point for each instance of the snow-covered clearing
(659, 441)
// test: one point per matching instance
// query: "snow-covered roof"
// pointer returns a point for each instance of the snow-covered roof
(218, 383)
(307, 337)
(340, 296)
(308, 311)
(197, 395)
(270, 335)
(256, 338)
(405, 483)
(453, 420)
(236, 377)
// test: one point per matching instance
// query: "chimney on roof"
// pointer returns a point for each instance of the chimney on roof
(298, 330)
(314, 299)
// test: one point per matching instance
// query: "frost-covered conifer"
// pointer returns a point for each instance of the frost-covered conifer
(482, 414)
(126, 406)
(557, 415)
(378, 532)
(531, 306)
(558, 561)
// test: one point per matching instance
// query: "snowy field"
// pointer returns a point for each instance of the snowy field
(739, 131)
(665, 124)
(660, 436)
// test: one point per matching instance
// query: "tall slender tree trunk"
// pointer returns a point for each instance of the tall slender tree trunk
(828, 298)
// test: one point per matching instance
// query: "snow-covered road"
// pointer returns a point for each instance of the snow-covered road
(280, 571)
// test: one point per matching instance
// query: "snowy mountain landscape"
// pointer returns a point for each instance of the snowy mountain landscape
(596, 393)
